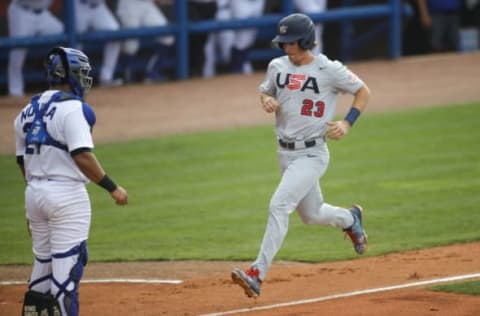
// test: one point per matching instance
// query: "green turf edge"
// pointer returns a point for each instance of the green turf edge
(467, 287)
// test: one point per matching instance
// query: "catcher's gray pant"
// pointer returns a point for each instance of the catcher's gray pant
(298, 189)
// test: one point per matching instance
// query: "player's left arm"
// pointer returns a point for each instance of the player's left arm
(87, 162)
(22, 169)
(338, 129)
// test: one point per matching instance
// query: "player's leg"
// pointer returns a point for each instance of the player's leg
(155, 17)
(318, 49)
(299, 177)
(70, 223)
(16, 60)
(210, 57)
(38, 298)
(49, 24)
(104, 20)
(67, 272)
(129, 18)
(20, 23)
(300, 174)
(314, 211)
(224, 39)
(244, 39)
(82, 16)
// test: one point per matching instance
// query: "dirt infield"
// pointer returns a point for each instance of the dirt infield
(358, 287)
(207, 287)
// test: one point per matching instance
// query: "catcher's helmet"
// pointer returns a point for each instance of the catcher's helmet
(296, 27)
(69, 66)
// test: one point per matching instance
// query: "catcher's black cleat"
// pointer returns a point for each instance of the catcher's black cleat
(248, 280)
(356, 232)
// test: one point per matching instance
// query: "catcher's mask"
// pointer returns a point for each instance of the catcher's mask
(295, 27)
(69, 66)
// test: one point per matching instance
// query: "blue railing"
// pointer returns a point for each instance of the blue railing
(391, 11)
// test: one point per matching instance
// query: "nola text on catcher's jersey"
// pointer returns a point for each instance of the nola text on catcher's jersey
(69, 122)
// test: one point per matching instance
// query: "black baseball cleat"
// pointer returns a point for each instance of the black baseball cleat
(248, 280)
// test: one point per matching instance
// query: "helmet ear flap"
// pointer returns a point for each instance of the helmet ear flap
(57, 51)
(308, 41)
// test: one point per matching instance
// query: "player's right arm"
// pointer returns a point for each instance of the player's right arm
(269, 103)
(19, 144)
(267, 89)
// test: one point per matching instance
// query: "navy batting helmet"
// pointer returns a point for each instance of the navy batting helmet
(296, 27)
(69, 66)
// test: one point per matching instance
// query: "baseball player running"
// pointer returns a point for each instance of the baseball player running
(301, 89)
(54, 151)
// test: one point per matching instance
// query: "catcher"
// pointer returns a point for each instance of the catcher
(54, 151)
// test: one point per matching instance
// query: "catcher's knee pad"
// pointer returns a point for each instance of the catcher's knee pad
(67, 290)
(36, 303)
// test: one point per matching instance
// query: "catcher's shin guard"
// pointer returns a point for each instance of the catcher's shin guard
(36, 304)
(66, 290)
(41, 276)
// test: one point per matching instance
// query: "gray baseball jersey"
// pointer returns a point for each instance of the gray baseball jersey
(307, 95)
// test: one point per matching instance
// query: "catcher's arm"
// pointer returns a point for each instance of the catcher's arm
(91, 168)
(336, 130)
(22, 170)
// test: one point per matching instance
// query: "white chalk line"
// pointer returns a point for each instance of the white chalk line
(152, 281)
(349, 294)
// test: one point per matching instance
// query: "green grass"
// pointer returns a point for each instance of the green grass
(205, 196)
(470, 288)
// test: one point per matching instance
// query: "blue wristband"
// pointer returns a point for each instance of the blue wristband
(352, 115)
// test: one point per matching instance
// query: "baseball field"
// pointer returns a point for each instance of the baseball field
(199, 161)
